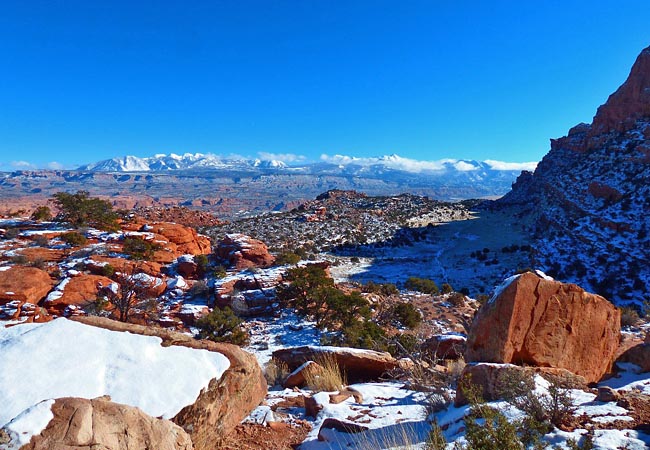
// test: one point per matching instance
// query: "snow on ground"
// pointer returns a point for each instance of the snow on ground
(269, 334)
(28, 423)
(63, 358)
(629, 378)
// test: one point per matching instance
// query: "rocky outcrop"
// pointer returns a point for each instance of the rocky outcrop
(186, 239)
(630, 102)
(85, 424)
(586, 200)
(25, 284)
(225, 402)
(243, 252)
(359, 365)
(492, 381)
(445, 346)
(639, 355)
(79, 291)
(539, 322)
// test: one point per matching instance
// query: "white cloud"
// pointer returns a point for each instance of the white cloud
(393, 161)
(55, 165)
(500, 165)
(22, 165)
(417, 166)
(284, 157)
(463, 166)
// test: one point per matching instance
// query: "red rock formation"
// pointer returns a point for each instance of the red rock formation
(630, 102)
(244, 252)
(187, 240)
(79, 291)
(545, 323)
(358, 364)
(27, 284)
(85, 424)
(96, 265)
(445, 346)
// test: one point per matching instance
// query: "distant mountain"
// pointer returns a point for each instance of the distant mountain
(188, 161)
(589, 196)
(494, 177)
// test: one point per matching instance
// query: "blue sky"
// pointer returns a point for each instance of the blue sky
(82, 81)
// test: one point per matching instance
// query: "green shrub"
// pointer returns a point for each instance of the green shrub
(222, 325)
(202, 262)
(11, 233)
(446, 288)
(457, 299)
(41, 241)
(108, 270)
(42, 213)
(74, 238)
(138, 248)
(219, 272)
(81, 210)
(423, 285)
(287, 258)
(407, 314)
(629, 316)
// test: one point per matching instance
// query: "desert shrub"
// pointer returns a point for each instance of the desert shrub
(96, 307)
(11, 233)
(361, 334)
(543, 410)
(446, 288)
(39, 263)
(403, 345)
(41, 241)
(275, 372)
(457, 299)
(482, 298)
(436, 440)
(138, 248)
(73, 238)
(201, 262)
(355, 260)
(200, 289)
(487, 428)
(19, 260)
(380, 288)
(328, 377)
(629, 316)
(423, 285)
(81, 210)
(407, 314)
(287, 258)
(586, 442)
(108, 270)
(222, 325)
(219, 272)
(42, 213)
(455, 369)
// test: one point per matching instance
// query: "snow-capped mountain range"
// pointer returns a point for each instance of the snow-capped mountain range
(328, 165)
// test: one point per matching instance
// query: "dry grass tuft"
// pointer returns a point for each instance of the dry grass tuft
(326, 378)
(276, 372)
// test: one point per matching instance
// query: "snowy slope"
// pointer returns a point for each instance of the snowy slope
(68, 359)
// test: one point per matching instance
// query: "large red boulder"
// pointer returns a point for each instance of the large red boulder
(532, 320)
(244, 252)
(186, 239)
(79, 291)
(26, 284)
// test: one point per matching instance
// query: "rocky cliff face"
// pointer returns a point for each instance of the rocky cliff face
(589, 196)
